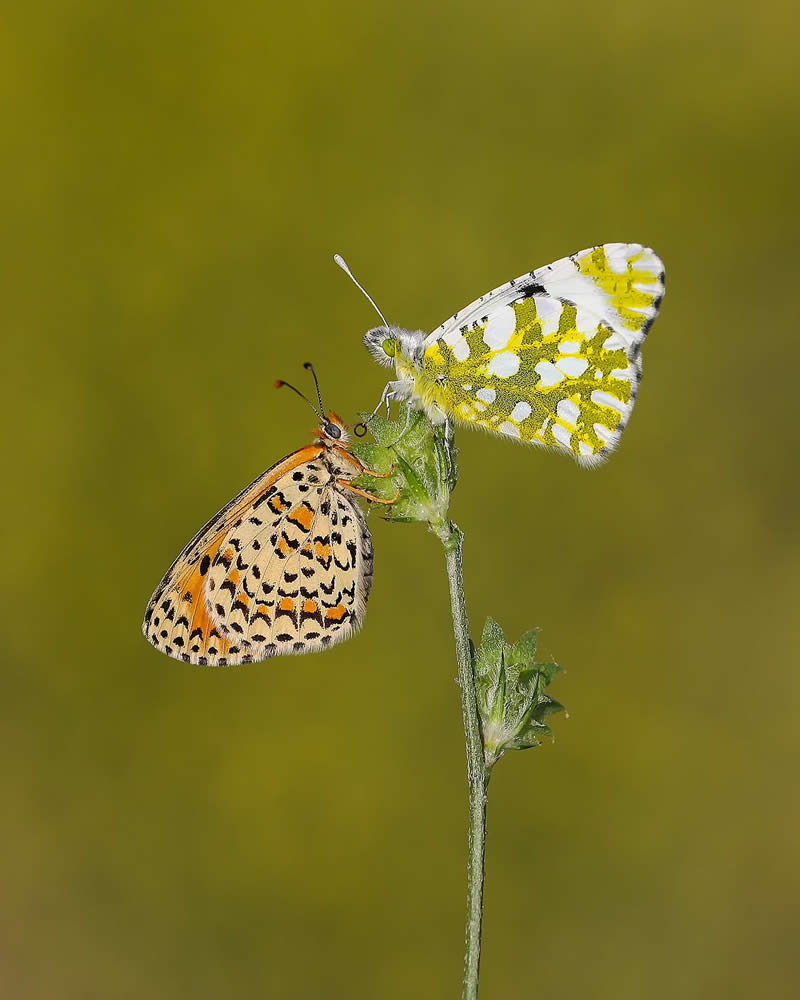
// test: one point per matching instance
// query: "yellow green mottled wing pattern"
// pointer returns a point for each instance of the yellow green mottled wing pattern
(551, 358)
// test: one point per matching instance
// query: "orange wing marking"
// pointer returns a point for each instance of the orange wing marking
(201, 619)
(336, 614)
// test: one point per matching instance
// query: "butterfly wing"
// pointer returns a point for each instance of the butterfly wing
(552, 358)
(286, 567)
(295, 584)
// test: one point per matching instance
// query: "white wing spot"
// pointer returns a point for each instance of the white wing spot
(562, 435)
(461, 349)
(573, 366)
(548, 312)
(500, 328)
(509, 429)
(569, 346)
(521, 411)
(549, 374)
(584, 448)
(603, 433)
(487, 395)
(568, 411)
(457, 344)
(504, 365)
(606, 399)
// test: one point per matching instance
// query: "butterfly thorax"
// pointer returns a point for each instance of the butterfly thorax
(337, 464)
(423, 382)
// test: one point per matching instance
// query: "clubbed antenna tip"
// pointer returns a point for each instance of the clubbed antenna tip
(344, 266)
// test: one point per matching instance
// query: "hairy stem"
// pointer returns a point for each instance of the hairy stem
(477, 772)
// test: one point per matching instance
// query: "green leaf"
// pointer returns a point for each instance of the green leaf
(510, 690)
(547, 706)
(549, 671)
(486, 664)
(525, 647)
(493, 641)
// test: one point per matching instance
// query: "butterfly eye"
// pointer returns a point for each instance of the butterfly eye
(389, 347)
(331, 430)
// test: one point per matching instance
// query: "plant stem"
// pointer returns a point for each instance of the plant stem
(477, 773)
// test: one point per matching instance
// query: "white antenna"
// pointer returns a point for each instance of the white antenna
(343, 265)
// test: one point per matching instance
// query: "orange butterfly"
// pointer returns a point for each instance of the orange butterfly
(285, 567)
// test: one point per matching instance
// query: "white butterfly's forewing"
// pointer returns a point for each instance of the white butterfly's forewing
(564, 280)
(552, 357)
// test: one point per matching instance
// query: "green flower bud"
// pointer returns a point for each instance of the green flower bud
(422, 463)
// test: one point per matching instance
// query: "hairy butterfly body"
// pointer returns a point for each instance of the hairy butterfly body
(551, 358)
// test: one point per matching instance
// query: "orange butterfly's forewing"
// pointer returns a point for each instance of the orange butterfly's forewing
(181, 592)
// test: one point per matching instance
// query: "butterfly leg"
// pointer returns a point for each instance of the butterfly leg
(378, 475)
(388, 394)
(346, 485)
(387, 391)
(392, 390)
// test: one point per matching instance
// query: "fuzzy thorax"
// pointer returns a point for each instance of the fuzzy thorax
(426, 392)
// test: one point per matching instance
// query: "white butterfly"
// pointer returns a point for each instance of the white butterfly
(551, 358)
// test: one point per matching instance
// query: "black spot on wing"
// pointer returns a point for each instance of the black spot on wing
(534, 288)
(264, 496)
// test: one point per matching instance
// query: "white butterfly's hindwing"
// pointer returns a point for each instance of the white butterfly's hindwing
(551, 358)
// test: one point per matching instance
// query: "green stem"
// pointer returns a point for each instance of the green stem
(477, 773)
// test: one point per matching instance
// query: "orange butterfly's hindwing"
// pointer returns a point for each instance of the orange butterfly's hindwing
(285, 567)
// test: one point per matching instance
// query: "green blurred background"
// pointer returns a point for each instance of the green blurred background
(175, 179)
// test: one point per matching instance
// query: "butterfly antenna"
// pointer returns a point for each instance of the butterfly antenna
(310, 368)
(280, 384)
(344, 266)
